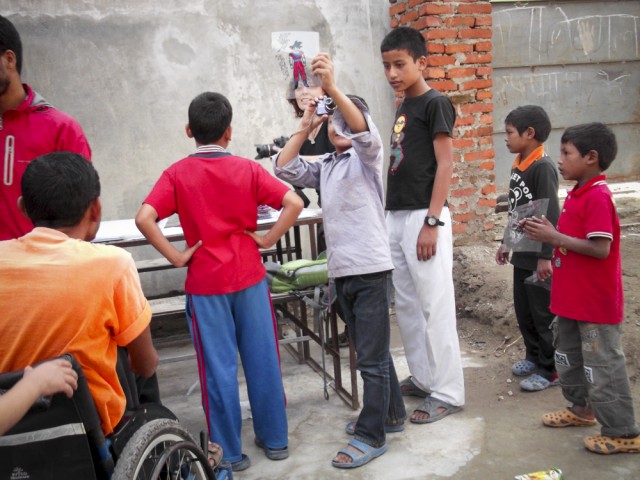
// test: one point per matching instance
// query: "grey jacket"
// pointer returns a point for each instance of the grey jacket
(352, 200)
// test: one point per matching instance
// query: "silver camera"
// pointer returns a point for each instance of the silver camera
(326, 106)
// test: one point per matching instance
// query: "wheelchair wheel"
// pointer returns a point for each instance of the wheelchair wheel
(162, 449)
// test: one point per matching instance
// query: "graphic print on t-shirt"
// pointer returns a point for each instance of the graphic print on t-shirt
(397, 155)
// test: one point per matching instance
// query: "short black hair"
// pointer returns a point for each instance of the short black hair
(210, 115)
(57, 189)
(405, 38)
(10, 40)
(593, 136)
(530, 116)
(360, 99)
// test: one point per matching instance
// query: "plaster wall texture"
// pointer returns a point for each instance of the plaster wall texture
(128, 70)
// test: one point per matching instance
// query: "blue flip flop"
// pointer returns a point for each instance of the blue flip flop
(272, 453)
(367, 453)
(350, 428)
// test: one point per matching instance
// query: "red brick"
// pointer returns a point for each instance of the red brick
(487, 189)
(474, 33)
(486, 119)
(477, 58)
(476, 107)
(458, 47)
(435, 47)
(484, 95)
(463, 192)
(437, 61)
(436, 9)
(486, 202)
(458, 21)
(427, 22)
(477, 83)
(409, 17)
(466, 120)
(478, 7)
(397, 9)
(483, 46)
(394, 23)
(478, 155)
(461, 72)
(463, 143)
(484, 21)
(440, 34)
(486, 141)
(413, 3)
(434, 73)
(487, 165)
(455, 180)
(488, 226)
(458, 228)
(444, 85)
(484, 71)
(486, 131)
(463, 217)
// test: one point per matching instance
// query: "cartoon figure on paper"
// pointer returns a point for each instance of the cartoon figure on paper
(298, 61)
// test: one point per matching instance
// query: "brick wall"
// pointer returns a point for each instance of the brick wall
(458, 36)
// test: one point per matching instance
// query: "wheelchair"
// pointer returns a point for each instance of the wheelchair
(61, 438)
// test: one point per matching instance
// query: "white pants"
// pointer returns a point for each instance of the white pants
(425, 305)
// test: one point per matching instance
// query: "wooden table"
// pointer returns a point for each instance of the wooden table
(289, 306)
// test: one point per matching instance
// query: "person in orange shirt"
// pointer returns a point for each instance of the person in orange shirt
(59, 293)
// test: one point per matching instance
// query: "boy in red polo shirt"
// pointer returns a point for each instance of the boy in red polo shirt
(216, 195)
(587, 295)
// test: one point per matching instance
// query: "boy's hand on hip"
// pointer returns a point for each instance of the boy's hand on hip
(261, 240)
(183, 257)
(427, 241)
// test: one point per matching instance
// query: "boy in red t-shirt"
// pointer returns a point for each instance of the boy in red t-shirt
(228, 307)
(587, 295)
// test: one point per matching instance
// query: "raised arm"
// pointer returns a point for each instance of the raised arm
(322, 67)
(146, 221)
(308, 123)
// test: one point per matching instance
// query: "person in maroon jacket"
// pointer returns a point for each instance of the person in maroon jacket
(29, 128)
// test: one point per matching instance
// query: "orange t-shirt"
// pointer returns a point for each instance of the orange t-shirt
(61, 295)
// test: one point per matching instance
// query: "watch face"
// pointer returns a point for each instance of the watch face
(432, 221)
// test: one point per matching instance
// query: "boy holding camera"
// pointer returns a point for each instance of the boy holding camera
(353, 201)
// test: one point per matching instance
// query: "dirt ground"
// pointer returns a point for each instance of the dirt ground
(485, 307)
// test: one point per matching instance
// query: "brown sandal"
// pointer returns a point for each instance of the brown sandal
(605, 445)
(214, 454)
(566, 418)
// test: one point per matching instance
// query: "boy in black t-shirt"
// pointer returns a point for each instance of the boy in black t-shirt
(419, 226)
(534, 176)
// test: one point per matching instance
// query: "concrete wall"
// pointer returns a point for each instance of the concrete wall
(128, 70)
(580, 61)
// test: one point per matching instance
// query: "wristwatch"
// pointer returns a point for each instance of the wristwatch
(432, 221)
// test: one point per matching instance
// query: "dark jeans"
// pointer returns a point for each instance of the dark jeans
(531, 305)
(365, 304)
